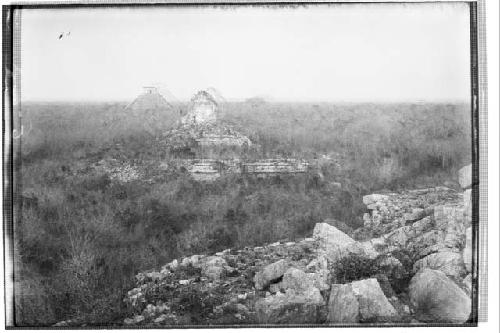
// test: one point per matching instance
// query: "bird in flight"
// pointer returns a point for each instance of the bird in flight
(62, 34)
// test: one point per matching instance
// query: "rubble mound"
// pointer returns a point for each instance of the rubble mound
(311, 281)
(191, 139)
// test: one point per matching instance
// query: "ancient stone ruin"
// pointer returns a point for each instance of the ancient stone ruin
(203, 109)
(210, 169)
(418, 263)
(150, 100)
(207, 148)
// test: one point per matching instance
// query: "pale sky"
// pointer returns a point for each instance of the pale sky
(371, 52)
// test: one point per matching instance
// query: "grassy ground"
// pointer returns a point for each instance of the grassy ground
(83, 236)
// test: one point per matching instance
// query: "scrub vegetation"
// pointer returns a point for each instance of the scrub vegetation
(83, 236)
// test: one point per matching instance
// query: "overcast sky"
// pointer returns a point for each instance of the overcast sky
(377, 52)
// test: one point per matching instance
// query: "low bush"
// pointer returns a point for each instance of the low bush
(352, 268)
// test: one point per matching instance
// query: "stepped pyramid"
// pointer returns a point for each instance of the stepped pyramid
(149, 100)
(151, 111)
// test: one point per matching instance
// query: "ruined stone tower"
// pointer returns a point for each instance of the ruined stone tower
(203, 109)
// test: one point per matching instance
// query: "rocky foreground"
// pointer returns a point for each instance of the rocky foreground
(415, 267)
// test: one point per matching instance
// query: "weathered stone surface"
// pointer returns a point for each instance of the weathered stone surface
(276, 287)
(465, 176)
(415, 215)
(359, 301)
(453, 226)
(418, 239)
(343, 306)
(297, 280)
(422, 225)
(318, 263)
(395, 210)
(213, 267)
(400, 236)
(405, 237)
(271, 272)
(450, 263)
(373, 305)
(426, 244)
(194, 260)
(438, 299)
(320, 279)
(374, 198)
(375, 246)
(444, 215)
(467, 253)
(290, 308)
(334, 243)
(468, 207)
(202, 109)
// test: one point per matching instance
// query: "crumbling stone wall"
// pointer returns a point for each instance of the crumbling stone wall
(211, 169)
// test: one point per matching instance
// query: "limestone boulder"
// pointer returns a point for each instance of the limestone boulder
(320, 279)
(270, 273)
(373, 305)
(299, 281)
(422, 225)
(449, 220)
(213, 267)
(374, 198)
(359, 301)
(465, 176)
(333, 243)
(291, 308)
(318, 263)
(425, 244)
(415, 215)
(296, 280)
(343, 306)
(437, 299)
(450, 263)
(276, 287)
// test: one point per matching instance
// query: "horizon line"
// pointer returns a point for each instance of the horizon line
(266, 100)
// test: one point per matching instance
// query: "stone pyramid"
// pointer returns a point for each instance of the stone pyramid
(150, 101)
(151, 111)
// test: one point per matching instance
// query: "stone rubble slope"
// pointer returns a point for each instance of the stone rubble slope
(424, 252)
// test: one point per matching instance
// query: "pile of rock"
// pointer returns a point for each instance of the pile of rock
(437, 240)
(275, 284)
(390, 211)
(441, 289)
(296, 282)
